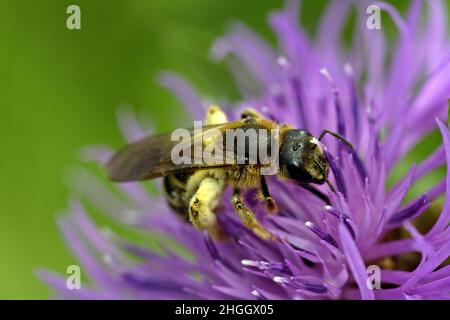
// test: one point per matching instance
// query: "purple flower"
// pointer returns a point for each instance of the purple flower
(383, 97)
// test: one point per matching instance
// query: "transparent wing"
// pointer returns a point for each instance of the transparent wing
(150, 157)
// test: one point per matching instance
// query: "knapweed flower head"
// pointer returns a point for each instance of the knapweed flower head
(362, 241)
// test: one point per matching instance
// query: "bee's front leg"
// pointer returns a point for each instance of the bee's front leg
(248, 217)
(269, 203)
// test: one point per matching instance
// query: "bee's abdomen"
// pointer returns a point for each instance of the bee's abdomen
(175, 188)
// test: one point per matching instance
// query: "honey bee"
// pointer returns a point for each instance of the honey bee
(195, 189)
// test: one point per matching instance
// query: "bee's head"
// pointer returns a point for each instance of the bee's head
(302, 158)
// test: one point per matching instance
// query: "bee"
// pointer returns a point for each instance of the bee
(195, 189)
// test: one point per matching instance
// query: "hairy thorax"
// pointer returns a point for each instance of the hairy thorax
(244, 177)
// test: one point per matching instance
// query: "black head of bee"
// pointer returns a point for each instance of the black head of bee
(302, 158)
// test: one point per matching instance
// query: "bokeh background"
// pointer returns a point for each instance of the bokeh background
(60, 90)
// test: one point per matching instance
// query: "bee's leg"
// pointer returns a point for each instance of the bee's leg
(205, 199)
(251, 114)
(248, 217)
(215, 115)
(269, 203)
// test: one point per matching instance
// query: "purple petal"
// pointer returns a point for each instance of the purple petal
(355, 263)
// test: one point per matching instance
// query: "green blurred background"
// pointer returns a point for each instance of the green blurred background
(60, 89)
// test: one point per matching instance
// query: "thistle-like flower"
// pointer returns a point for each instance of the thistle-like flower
(366, 242)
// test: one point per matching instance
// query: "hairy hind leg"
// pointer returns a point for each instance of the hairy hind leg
(215, 115)
(205, 187)
(206, 190)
